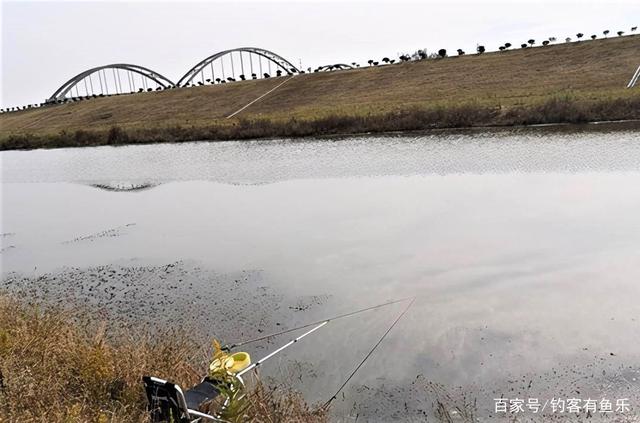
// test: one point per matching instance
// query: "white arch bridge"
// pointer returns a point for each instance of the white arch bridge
(242, 63)
(226, 66)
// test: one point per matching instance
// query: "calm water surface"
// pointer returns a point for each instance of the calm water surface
(522, 248)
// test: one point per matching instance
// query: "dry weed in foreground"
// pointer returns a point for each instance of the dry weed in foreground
(62, 366)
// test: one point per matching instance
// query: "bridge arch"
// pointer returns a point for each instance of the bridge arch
(337, 66)
(100, 80)
(206, 66)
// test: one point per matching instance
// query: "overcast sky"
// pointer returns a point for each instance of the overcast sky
(45, 43)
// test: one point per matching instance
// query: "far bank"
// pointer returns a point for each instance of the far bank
(564, 83)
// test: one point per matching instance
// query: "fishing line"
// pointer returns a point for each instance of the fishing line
(368, 355)
(238, 344)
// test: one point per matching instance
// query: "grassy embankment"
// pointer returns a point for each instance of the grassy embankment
(63, 366)
(571, 82)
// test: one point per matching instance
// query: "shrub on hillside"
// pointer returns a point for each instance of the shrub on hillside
(117, 136)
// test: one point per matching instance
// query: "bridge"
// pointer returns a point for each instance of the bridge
(335, 67)
(107, 80)
(223, 67)
(251, 66)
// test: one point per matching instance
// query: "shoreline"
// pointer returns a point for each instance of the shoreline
(111, 359)
(555, 113)
(93, 368)
(611, 125)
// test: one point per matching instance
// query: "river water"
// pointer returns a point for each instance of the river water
(522, 248)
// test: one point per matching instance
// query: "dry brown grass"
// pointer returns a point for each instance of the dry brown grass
(64, 366)
(554, 110)
(588, 72)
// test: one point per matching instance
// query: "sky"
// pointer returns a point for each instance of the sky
(47, 42)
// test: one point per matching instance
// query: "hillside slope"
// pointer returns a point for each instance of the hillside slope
(585, 71)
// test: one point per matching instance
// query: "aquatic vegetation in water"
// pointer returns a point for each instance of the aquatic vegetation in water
(108, 233)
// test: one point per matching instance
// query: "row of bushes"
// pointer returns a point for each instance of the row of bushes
(556, 110)
(423, 54)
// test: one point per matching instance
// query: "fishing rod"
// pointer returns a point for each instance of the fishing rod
(169, 397)
(320, 324)
(293, 341)
(341, 316)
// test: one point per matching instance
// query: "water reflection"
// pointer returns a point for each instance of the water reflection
(521, 250)
(258, 162)
(124, 186)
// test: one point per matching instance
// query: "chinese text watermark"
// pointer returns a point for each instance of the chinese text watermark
(561, 405)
